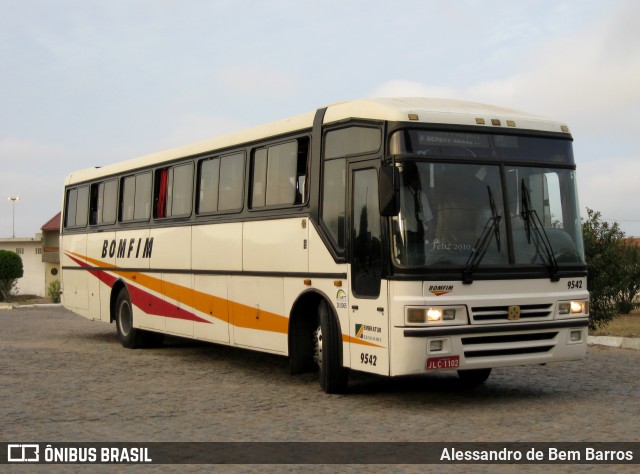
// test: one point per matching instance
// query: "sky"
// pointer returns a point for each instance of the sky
(91, 82)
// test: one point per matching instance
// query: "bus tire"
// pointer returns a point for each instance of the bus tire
(474, 376)
(328, 352)
(129, 336)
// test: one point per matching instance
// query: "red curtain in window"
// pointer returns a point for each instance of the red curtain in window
(161, 207)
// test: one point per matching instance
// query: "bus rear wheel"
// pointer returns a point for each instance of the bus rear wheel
(129, 336)
(327, 344)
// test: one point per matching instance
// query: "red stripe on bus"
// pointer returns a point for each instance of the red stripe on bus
(145, 301)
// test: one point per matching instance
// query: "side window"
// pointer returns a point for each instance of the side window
(103, 202)
(351, 141)
(173, 191)
(333, 207)
(220, 183)
(366, 247)
(77, 207)
(279, 174)
(209, 183)
(338, 144)
(231, 182)
(259, 181)
(109, 209)
(135, 197)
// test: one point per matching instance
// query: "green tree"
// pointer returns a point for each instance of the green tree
(10, 271)
(603, 248)
(630, 270)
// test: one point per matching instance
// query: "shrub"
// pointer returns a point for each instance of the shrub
(630, 269)
(604, 252)
(10, 270)
(54, 291)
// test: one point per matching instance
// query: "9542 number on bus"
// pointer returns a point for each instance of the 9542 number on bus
(574, 284)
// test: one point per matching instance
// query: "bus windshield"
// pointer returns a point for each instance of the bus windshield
(486, 215)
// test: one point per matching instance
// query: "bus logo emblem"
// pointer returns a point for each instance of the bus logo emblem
(514, 313)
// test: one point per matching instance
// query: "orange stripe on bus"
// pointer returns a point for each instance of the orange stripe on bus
(255, 318)
(243, 316)
(354, 340)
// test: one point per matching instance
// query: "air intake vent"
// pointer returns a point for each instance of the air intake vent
(529, 312)
(505, 345)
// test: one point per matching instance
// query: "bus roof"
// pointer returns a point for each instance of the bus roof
(405, 109)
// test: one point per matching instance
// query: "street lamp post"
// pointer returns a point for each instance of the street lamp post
(13, 200)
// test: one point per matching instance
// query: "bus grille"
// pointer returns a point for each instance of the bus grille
(528, 312)
(508, 344)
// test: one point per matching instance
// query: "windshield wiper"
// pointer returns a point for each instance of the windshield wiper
(540, 237)
(482, 244)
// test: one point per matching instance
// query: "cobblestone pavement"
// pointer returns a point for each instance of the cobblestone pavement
(64, 378)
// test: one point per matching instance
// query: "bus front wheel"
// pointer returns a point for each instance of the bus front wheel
(328, 353)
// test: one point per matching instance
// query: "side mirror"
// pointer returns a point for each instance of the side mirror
(389, 191)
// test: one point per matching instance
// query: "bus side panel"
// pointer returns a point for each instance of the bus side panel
(217, 247)
(98, 245)
(75, 283)
(177, 290)
(132, 249)
(256, 313)
(210, 302)
(320, 260)
(172, 251)
(280, 245)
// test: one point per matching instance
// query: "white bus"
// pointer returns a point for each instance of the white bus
(389, 236)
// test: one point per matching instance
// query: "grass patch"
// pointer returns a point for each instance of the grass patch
(28, 299)
(624, 325)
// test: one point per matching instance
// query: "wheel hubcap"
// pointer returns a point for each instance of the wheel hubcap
(125, 318)
(317, 346)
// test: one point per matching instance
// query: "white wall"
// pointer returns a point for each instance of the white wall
(32, 283)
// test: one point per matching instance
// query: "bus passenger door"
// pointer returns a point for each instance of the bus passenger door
(368, 308)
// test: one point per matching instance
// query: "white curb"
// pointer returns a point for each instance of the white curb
(611, 341)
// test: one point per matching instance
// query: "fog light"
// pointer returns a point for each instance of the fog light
(575, 336)
(436, 346)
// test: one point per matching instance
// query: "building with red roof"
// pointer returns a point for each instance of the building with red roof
(51, 249)
(40, 258)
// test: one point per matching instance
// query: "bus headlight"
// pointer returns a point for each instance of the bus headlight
(573, 308)
(435, 315)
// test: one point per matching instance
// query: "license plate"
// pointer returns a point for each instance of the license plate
(448, 362)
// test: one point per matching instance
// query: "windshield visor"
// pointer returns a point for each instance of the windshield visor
(461, 215)
(512, 148)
